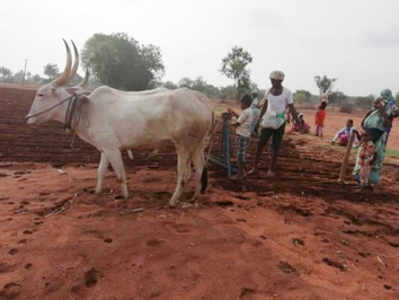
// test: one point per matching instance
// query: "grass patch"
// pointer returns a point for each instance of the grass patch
(392, 153)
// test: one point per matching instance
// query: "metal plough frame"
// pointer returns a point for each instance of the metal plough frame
(224, 159)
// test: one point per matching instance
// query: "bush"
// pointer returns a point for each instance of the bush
(347, 108)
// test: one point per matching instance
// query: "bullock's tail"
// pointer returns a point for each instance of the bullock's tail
(204, 179)
(209, 142)
(210, 137)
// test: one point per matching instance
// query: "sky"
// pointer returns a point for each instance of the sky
(352, 40)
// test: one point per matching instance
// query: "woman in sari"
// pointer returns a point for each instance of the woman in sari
(375, 124)
(390, 104)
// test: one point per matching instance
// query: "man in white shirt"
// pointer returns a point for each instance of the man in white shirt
(272, 119)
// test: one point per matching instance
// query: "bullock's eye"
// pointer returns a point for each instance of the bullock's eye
(40, 95)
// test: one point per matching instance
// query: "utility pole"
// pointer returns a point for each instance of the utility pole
(23, 79)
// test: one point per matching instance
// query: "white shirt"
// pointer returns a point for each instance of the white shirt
(276, 107)
(245, 121)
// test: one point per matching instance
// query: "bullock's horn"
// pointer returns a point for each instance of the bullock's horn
(76, 63)
(63, 78)
(85, 80)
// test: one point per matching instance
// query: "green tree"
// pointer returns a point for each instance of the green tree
(121, 62)
(152, 59)
(36, 79)
(337, 97)
(363, 102)
(199, 84)
(18, 77)
(186, 82)
(51, 70)
(170, 85)
(244, 84)
(204, 87)
(302, 96)
(397, 98)
(324, 84)
(5, 74)
(234, 66)
(228, 92)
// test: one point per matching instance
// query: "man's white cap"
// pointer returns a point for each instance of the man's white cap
(277, 75)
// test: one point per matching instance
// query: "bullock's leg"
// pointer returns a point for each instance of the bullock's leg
(182, 161)
(102, 168)
(130, 154)
(199, 162)
(188, 175)
(115, 158)
(188, 172)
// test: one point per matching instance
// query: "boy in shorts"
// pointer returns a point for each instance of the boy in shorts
(243, 132)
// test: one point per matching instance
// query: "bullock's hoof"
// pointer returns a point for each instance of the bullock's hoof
(172, 204)
(125, 191)
(191, 200)
(187, 205)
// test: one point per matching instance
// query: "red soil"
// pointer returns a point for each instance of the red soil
(299, 236)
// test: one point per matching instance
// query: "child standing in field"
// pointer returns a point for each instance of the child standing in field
(366, 158)
(344, 134)
(243, 132)
(319, 118)
(256, 112)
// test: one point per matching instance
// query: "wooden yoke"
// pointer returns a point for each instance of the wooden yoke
(346, 158)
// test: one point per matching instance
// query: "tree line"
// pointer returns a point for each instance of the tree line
(50, 70)
(121, 62)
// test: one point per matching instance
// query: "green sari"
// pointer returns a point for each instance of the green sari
(374, 120)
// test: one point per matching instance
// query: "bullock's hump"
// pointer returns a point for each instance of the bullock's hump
(102, 90)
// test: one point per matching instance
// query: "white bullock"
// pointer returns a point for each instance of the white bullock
(111, 122)
(83, 89)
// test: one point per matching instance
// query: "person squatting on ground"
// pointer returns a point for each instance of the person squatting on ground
(319, 118)
(300, 126)
(272, 119)
(343, 135)
(243, 132)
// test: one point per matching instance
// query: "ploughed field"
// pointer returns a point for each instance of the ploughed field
(299, 236)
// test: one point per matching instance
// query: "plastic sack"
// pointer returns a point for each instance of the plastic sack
(272, 119)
